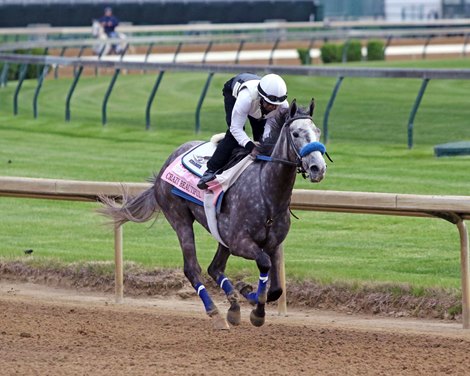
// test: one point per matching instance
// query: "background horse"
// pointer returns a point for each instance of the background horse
(105, 48)
(254, 218)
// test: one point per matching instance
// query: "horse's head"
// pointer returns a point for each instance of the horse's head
(97, 30)
(304, 142)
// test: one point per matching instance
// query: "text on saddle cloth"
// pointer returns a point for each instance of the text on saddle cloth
(185, 186)
(184, 180)
(183, 173)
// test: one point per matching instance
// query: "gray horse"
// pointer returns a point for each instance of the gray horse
(254, 216)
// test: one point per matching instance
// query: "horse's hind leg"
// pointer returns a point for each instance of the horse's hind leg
(183, 226)
(216, 271)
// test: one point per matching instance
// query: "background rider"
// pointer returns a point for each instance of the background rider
(109, 22)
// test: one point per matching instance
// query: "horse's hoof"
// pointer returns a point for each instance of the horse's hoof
(233, 315)
(219, 323)
(255, 319)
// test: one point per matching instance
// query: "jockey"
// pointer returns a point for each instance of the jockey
(246, 96)
(109, 23)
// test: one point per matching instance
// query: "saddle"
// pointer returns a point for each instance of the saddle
(195, 160)
(184, 173)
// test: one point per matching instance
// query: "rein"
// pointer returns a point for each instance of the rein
(267, 158)
(307, 149)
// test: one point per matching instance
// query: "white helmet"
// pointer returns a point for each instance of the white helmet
(273, 89)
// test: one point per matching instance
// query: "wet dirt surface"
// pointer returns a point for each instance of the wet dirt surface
(51, 331)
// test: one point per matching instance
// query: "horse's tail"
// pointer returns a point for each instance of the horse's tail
(139, 209)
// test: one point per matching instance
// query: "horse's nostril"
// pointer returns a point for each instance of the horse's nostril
(314, 169)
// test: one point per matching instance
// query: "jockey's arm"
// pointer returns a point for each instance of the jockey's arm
(240, 114)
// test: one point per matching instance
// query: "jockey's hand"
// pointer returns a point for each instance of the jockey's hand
(255, 151)
(253, 148)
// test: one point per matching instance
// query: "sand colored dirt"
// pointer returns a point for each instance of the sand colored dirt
(47, 331)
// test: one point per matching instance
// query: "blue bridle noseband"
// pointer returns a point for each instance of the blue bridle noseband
(311, 147)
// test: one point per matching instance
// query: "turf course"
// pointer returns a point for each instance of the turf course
(368, 142)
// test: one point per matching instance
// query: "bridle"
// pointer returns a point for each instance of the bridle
(306, 149)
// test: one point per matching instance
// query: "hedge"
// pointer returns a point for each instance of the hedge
(375, 50)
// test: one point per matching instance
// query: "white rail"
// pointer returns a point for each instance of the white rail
(455, 209)
(237, 27)
(275, 35)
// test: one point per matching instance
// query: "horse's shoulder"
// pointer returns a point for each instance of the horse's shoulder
(249, 181)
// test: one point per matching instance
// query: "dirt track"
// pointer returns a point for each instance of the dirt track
(48, 331)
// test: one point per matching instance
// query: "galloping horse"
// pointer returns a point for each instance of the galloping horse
(104, 48)
(254, 218)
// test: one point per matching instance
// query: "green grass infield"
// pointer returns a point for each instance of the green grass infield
(368, 143)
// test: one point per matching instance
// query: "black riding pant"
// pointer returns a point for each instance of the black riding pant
(225, 147)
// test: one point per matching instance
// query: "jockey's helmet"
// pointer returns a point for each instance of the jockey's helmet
(273, 89)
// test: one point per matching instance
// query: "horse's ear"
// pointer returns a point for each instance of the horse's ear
(312, 107)
(293, 108)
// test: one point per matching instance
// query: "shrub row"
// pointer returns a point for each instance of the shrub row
(349, 51)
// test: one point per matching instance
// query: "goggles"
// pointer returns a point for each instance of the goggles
(271, 98)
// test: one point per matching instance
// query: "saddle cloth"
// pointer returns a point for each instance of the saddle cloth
(184, 173)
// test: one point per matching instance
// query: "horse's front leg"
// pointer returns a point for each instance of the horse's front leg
(216, 271)
(258, 314)
(275, 288)
(248, 249)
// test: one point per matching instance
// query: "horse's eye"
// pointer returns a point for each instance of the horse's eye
(295, 134)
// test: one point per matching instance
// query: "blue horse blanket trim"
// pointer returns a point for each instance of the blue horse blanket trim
(184, 195)
(313, 146)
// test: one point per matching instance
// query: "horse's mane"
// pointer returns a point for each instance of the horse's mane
(267, 145)
(281, 118)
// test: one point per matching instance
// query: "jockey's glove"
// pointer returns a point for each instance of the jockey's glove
(250, 145)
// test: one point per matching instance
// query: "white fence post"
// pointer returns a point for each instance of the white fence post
(464, 266)
(118, 264)
(282, 302)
